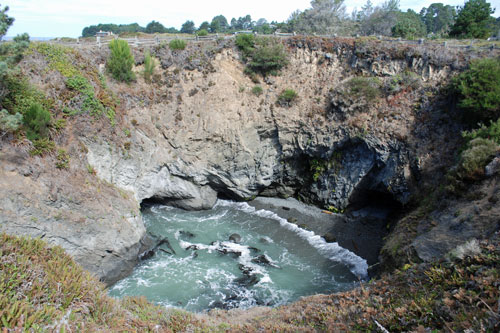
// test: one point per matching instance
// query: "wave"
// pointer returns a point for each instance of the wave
(333, 251)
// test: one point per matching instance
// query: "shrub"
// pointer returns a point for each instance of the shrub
(287, 97)
(89, 102)
(42, 147)
(10, 122)
(36, 121)
(246, 43)
(62, 159)
(121, 61)
(149, 67)
(479, 89)
(491, 132)
(257, 90)
(478, 154)
(202, 33)
(268, 57)
(364, 87)
(21, 95)
(400, 82)
(177, 44)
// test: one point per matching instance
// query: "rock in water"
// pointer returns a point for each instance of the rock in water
(247, 280)
(187, 234)
(235, 238)
(147, 255)
(329, 237)
(263, 260)
(167, 243)
(253, 249)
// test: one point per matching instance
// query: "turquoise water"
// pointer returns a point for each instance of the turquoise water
(274, 263)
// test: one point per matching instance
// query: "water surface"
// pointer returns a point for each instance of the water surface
(274, 263)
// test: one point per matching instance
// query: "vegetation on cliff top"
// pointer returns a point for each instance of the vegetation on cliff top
(263, 55)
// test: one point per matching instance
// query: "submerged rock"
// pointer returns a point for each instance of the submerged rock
(235, 238)
(186, 234)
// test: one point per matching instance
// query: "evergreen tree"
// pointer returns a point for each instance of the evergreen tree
(438, 18)
(121, 61)
(472, 20)
(188, 27)
(409, 26)
(219, 24)
(155, 27)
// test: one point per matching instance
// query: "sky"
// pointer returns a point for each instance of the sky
(67, 18)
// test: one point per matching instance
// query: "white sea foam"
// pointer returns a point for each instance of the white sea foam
(245, 258)
(332, 251)
(213, 217)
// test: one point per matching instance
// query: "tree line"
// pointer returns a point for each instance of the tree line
(472, 20)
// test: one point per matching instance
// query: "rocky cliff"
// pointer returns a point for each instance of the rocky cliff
(198, 132)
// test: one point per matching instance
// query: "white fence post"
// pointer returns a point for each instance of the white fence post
(99, 41)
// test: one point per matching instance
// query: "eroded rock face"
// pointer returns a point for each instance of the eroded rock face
(225, 141)
(99, 227)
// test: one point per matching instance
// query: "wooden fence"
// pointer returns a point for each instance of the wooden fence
(158, 40)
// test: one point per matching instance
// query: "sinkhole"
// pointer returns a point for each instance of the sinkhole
(234, 256)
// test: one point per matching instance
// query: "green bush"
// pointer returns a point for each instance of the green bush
(479, 90)
(246, 43)
(478, 154)
(10, 122)
(287, 97)
(363, 87)
(121, 61)
(268, 57)
(491, 132)
(36, 121)
(177, 44)
(265, 55)
(257, 90)
(89, 102)
(202, 33)
(21, 95)
(149, 67)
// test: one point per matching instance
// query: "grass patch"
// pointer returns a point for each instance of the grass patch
(87, 100)
(257, 90)
(62, 159)
(59, 58)
(43, 289)
(287, 97)
(360, 87)
(42, 147)
(177, 44)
